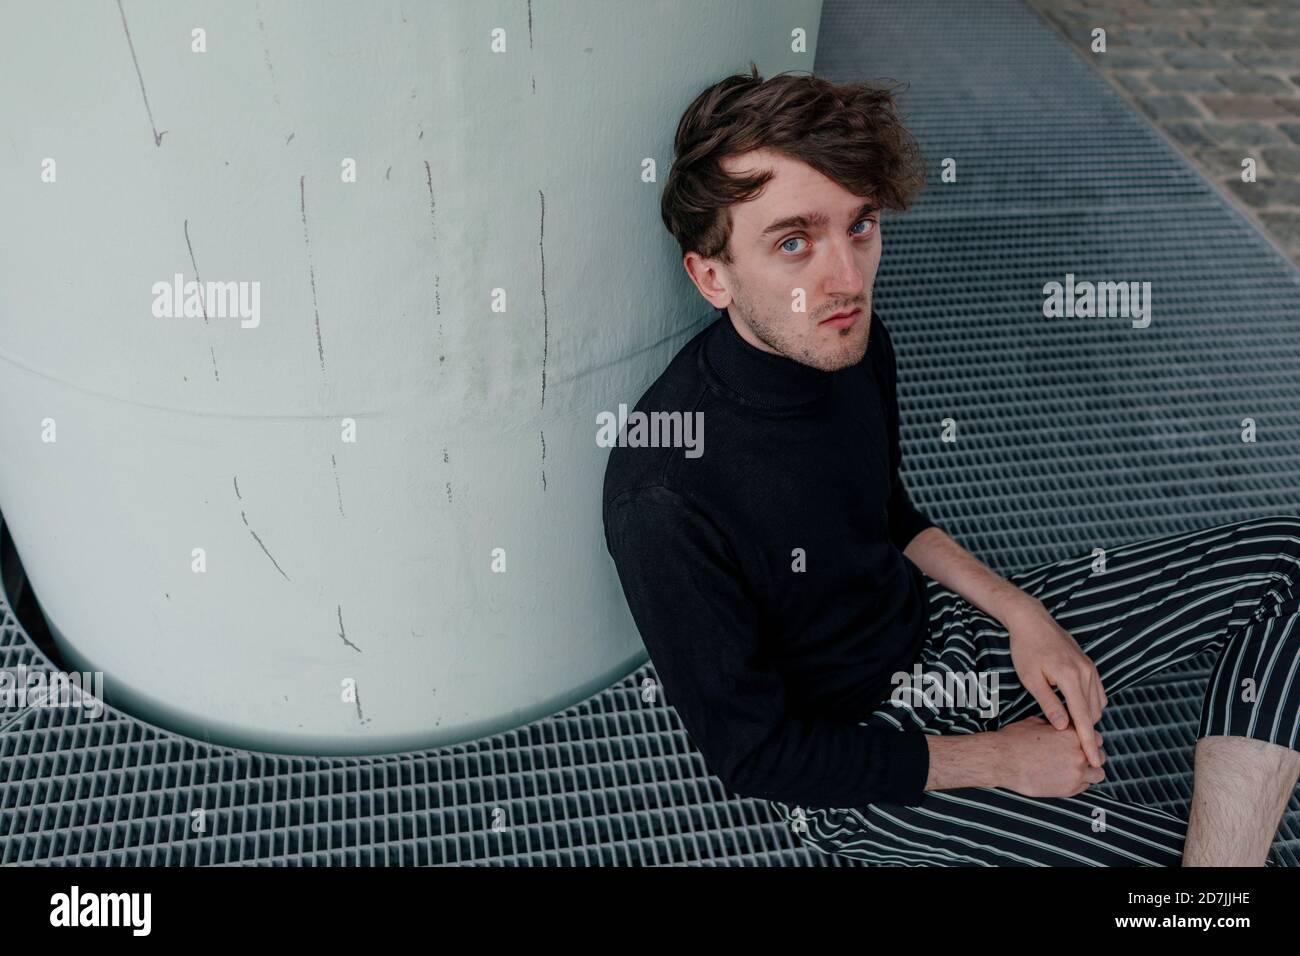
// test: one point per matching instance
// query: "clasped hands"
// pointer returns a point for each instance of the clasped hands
(1046, 656)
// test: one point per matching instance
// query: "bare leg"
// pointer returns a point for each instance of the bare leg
(1241, 787)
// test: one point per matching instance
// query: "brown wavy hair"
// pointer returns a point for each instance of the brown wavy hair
(848, 132)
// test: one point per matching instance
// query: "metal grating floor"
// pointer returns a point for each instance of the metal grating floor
(1074, 433)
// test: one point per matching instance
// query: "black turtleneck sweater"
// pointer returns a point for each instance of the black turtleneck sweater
(765, 574)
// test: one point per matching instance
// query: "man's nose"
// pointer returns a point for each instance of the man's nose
(844, 276)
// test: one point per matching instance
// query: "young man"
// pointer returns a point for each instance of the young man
(783, 581)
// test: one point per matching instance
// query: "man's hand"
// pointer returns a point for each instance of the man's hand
(1039, 760)
(1046, 656)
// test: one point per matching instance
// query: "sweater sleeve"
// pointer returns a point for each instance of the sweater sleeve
(906, 521)
(701, 625)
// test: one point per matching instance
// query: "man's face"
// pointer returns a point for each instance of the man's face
(803, 231)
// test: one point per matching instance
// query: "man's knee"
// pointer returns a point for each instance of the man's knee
(1274, 534)
(1282, 525)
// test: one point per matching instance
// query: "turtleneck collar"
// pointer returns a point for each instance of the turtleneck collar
(756, 377)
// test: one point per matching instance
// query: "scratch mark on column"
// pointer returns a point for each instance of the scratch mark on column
(387, 171)
(266, 54)
(267, 553)
(530, 39)
(254, 533)
(202, 298)
(433, 222)
(446, 460)
(337, 490)
(541, 246)
(344, 636)
(433, 206)
(311, 269)
(290, 139)
(197, 278)
(157, 136)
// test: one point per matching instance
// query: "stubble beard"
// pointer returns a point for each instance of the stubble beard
(772, 331)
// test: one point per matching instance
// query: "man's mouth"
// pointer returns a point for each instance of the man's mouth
(841, 320)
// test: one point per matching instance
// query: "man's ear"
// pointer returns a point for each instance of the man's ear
(710, 278)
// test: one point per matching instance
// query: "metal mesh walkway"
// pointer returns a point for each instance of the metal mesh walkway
(1073, 434)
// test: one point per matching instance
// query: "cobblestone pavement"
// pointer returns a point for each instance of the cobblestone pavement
(1220, 78)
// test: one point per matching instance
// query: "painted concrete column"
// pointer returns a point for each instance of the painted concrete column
(308, 311)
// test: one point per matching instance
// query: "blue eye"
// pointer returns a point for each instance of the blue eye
(785, 246)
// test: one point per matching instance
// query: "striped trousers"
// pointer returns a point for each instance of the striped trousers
(1159, 601)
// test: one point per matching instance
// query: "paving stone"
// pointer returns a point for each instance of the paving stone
(1132, 15)
(1168, 4)
(1146, 38)
(1282, 160)
(1124, 59)
(1222, 40)
(1197, 60)
(1131, 82)
(1242, 134)
(1189, 133)
(1222, 161)
(1186, 83)
(1266, 192)
(1247, 107)
(1242, 82)
(1279, 39)
(1235, 4)
(1267, 59)
(1172, 106)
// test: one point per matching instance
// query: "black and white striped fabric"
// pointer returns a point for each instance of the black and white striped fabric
(1157, 602)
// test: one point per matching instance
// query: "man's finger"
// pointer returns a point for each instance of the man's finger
(1047, 700)
(1080, 713)
(1094, 693)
